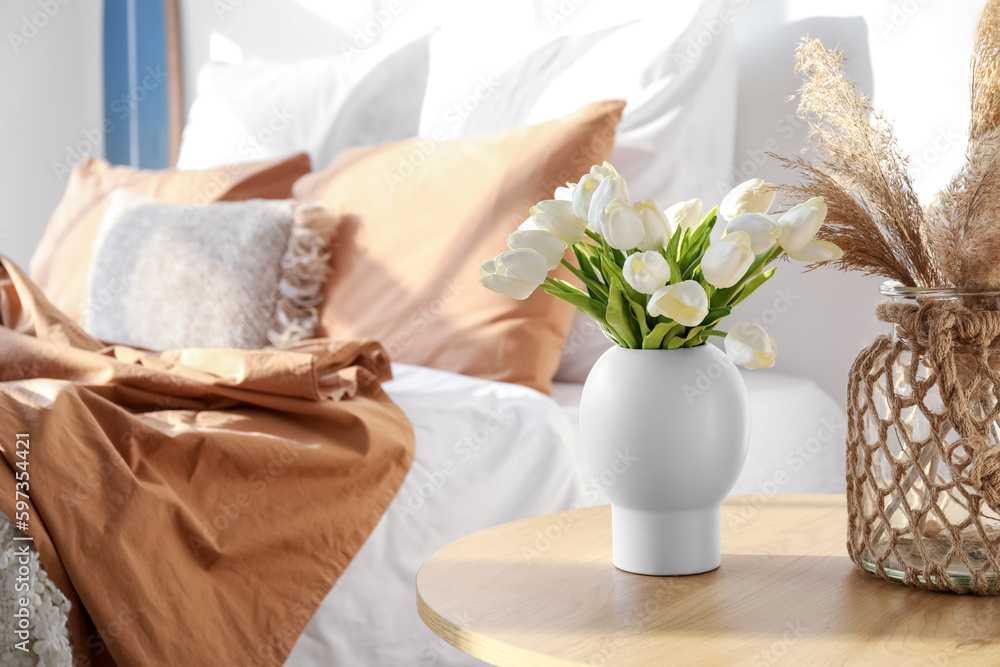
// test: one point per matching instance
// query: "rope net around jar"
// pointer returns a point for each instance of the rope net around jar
(923, 465)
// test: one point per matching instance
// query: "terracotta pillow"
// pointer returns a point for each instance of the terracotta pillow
(61, 262)
(421, 216)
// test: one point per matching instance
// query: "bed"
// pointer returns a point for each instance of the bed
(486, 451)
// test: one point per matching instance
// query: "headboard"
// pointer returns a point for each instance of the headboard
(143, 82)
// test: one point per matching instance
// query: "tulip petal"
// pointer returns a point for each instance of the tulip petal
(646, 272)
(727, 260)
(799, 224)
(557, 216)
(583, 193)
(752, 196)
(685, 303)
(763, 230)
(612, 188)
(655, 224)
(685, 215)
(522, 264)
(750, 346)
(515, 289)
(546, 244)
(817, 251)
(622, 227)
(557, 207)
(515, 273)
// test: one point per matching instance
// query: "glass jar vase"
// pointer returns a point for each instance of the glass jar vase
(923, 412)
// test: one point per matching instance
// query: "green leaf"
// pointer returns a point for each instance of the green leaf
(716, 314)
(664, 330)
(639, 310)
(681, 340)
(594, 286)
(670, 254)
(753, 284)
(583, 259)
(617, 317)
(583, 303)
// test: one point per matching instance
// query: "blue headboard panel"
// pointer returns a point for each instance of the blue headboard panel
(141, 82)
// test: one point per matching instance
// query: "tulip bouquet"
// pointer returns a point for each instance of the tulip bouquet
(655, 279)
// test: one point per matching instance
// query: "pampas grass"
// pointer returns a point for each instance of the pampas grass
(874, 213)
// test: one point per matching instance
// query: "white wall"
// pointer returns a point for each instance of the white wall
(52, 87)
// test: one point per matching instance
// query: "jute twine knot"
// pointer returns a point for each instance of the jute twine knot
(951, 337)
(985, 473)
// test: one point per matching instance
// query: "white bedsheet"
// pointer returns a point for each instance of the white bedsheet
(488, 453)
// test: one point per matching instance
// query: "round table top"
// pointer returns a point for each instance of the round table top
(543, 591)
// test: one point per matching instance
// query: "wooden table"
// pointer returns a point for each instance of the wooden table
(543, 591)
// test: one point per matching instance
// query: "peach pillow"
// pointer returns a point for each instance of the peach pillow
(420, 217)
(61, 262)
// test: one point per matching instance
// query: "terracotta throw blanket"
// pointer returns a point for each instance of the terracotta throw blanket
(195, 506)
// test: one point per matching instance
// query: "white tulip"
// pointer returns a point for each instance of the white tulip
(646, 271)
(611, 188)
(817, 251)
(799, 224)
(557, 216)
(685, 303)
(583, 193)
(726, 261)
(753, 196)
(621, 226)
(564, 192)
(685, 215)
(655, 223)
(763, 231)
(748, 345)
(546, 244)
(515, 273)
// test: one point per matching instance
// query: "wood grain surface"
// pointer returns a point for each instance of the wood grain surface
(543, 591)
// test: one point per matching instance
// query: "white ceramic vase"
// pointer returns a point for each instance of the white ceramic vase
(665, 433)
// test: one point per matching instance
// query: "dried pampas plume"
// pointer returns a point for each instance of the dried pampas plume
(874, 213)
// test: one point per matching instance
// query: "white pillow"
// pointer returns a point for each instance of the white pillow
(259, 111)
(675, 67)
(224, 275)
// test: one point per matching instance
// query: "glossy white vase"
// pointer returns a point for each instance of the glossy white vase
(665, 434)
